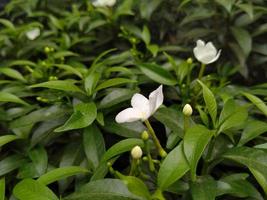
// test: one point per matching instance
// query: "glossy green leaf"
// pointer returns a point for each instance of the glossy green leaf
(254, 159)
(60, 173)
(2, 188)
(40, 159)
(69, 69)
(105, 189)
(65, 85)
(243, 38)
(12, 73)
(8, 97)
(7, 138)
(121, 147)
(173, 167)
(210, 102)
(10, 163)
(195, 141)
(94, 145)
(29, 189)
(204, 188)
(252, 129)
(84, 115)
(257, 102)
(157, 74)
(90, 82)
(227, 4)
(113, 82)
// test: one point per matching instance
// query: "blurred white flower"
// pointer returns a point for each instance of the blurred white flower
(206, 53)
(33, 33)
(136, 152)
(142, 108)
(103, 3)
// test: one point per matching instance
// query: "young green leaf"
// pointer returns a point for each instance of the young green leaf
(204, 188)
(121, 147)
(195, 141)
(10, 163)
(29, 189)
(210, 102)
(60, 173)
(173, 167)
(8, 97)
(12, 73)
(257, 102)
(84, 115)
(7, 138)
(40, 159)
(113, 82)
(243, 38)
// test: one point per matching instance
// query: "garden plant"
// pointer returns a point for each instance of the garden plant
(133, 100)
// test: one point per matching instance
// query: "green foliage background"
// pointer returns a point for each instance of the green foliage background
(60, 93)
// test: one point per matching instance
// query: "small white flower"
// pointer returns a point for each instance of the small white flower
(206, 53)
(187, 110)
(33, 33)
(136, 152)
(142, 108)
(103, 3)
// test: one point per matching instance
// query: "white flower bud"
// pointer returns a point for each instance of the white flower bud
(136, 152)
(187, 110)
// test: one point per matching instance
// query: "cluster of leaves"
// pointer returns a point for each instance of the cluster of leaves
(60, 93)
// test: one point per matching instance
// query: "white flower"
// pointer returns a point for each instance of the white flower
(206, 53)
(142, 108)
(187, 110)
(136, 152)
(33, 33)
(103, 3)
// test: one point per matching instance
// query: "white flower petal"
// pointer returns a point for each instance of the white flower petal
(128, 115)
(155, 99)
(216, 57)
(205, 53)
(141, 104)
(33, 34)
(103, 3)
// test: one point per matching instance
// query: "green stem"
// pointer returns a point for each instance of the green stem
(133, 167)
(150, 161)
(161, 151)
(158, 195)
(201, 72)
(186, 123)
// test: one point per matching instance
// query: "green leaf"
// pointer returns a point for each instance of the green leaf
(254, 159)
(7, 138)
(243, 38)
(12, 73)
(94, 145)
(173, 167)
(115, 97)
(195, 141)
(90, 82)
(236, 185)
(248, 8)
(253, 129)
(204, 189)
(121, 147)
(227, 4)
(84, 115)
(8, 97)
(65, 85)
(60, 173)
(148, 7)
(210, 102)
(157, 73)
(10, 163)
(135, 186)
(105, 189)
(2, 188)
(257, 102)
(113, 82)
(146, 35)
(40, 159)
(70, 69)
(29, 189)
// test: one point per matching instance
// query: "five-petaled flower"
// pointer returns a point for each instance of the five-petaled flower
(206, 53)
(104, 3)
(142, 108)
(33, 33)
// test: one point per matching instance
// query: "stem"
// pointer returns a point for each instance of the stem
(207, 159)
(186, 123)
(150, 161)
(133, 167)
(161, 151)
(158, 195)
(201, 72)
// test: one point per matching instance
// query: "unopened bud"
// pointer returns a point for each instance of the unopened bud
(136, 152)
(47, 49)
(189, 61)
(187, 110)
(145, 136)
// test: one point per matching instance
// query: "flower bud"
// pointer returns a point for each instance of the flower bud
(136, 152)
(145, 136)
(189, 61)
(187, 110)
(47, 49)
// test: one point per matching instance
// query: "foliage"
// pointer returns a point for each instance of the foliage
(61, 90)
